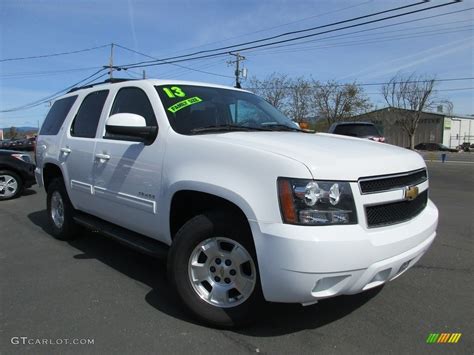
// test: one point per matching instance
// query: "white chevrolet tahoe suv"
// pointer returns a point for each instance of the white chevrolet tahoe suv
(245, 206)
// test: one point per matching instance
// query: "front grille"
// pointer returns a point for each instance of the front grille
(390, 182)
(395, 212)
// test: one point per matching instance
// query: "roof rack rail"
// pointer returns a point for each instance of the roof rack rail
(107, 81)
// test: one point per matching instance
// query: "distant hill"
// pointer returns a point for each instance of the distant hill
(20, 129)
(21, 132)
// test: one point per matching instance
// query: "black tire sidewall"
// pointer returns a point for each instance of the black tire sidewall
(196, 230)
(68, 230)
(19, 181)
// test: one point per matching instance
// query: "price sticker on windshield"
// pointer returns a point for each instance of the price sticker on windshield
(185, 103)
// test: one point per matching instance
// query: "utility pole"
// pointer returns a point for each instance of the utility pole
(144, 74)
(238, 72)
(111, 62)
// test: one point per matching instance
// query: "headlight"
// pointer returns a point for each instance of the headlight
(312, 202)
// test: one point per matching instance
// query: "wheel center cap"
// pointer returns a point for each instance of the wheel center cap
(221, 272)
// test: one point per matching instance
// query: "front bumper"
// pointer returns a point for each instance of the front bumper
(39, 177)
(301, 264)
(26, 171)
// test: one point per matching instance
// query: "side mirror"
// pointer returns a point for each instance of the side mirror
(129, 127)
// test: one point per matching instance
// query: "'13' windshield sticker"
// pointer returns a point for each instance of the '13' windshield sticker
(174, 91)
(185, 103)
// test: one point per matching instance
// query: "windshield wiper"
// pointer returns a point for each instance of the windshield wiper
(227, 128)
(282, 127)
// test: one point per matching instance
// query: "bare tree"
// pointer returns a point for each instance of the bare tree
(274, 88)
(300, 92)
(411, 95)
(335, 102)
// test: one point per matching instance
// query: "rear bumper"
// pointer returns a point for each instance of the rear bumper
(301, 264)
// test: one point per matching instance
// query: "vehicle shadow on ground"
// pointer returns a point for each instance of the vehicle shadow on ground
(28, 192)
(274, 318)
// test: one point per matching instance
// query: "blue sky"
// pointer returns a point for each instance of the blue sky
(441, 46)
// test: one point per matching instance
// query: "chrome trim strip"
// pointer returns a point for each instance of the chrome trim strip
(129, 200)
(81, 186)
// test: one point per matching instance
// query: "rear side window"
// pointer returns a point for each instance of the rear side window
(56, 116)
(87, 118)
(134, 100)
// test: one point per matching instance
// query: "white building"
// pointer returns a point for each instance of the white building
(458, 129)
(434, 127)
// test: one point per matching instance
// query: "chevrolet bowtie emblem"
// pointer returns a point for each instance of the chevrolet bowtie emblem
(410, 192)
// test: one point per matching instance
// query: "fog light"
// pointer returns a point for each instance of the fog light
(316, 217)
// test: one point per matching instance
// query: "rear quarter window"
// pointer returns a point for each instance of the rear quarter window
(56, 116)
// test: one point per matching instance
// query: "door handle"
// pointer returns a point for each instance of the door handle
(102, 156)
(66, 151)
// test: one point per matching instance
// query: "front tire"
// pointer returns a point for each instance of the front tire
(60, 211)
(11, 185)
(213, 266)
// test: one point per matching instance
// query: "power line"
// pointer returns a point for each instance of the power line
(278, 26)
(169, 60)
(176, 65)
(290, 33)
(54, 54)
(59, 93)
(206, 64)
(19, 75)
(371, 41)
(380, 27)
(55, 95)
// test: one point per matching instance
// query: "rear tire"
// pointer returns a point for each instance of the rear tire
(213, 266)
(61, 211)
(11, 185)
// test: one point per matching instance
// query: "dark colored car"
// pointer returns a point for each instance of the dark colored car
(438, 147)
(466, 147)
(13, 144)
(24, 144)
(17, 173)
(5, 144)
(365, 130)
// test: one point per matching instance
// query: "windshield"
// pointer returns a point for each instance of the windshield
(357, 130)
(193, 109)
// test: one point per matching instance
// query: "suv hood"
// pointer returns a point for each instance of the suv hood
(328, 156)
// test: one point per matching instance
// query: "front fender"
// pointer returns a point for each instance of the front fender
(244, 175)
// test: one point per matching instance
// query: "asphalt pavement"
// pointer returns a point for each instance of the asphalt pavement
(96, 290)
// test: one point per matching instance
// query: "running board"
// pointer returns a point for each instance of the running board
(124, 236)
